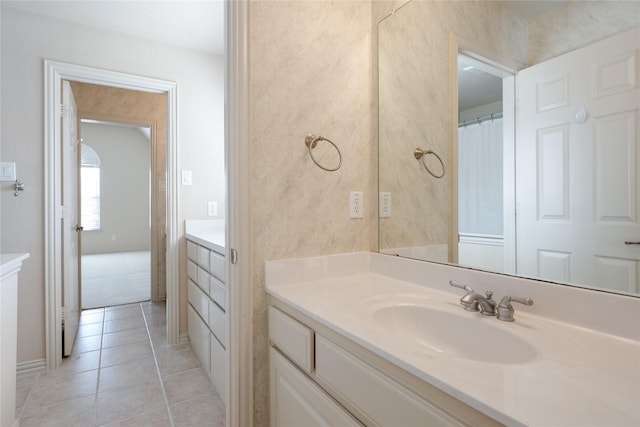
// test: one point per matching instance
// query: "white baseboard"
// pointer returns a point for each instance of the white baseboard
(31, 367)
(184, 337)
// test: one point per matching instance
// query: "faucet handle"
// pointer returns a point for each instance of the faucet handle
(505, 309)
(468, 289)
(467, 301)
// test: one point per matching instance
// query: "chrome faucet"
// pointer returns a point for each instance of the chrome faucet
(487, 305)
(505, 309)
(471, 300)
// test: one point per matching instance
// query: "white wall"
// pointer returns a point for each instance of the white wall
(125, 155)
(27, 39)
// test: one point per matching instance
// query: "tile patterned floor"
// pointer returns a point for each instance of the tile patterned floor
(122, 373)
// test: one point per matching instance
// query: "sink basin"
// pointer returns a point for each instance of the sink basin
(464, 335)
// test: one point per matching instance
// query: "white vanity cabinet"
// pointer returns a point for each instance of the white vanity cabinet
(319, 377)
(207, 317)
(10, 265)
(294, 398)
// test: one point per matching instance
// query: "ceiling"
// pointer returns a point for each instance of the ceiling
(186, 23)
(476, 87)
(200, 24)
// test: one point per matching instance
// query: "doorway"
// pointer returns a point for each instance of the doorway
(483, 144)
(481, 147)
(115, 172)
(55, 74)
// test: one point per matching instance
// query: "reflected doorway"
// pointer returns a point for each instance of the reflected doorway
(115, 189)
(110, 115)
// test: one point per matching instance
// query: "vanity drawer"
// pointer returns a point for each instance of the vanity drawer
(216, 266)
(218, 368)
(218, 292)
(203, 257)
(373, 392)
(203, 279)
(192, 270)
(218, 323)
(292, 338)
(199, 336)
(192, 250)
(198, 300)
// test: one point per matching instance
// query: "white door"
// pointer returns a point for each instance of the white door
(577, 155)
(70, 219)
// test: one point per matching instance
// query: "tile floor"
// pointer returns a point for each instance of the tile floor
(122, 373)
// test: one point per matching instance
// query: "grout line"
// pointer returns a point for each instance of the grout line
(155, 360)
(95, 408)
(26, 401)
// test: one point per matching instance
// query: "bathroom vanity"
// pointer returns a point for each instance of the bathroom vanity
(371, 339)
(208, 298)
(10, 265)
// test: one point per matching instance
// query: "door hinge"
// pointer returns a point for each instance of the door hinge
(62, 314)
(63, 212)
(234, 256)
(62, 110)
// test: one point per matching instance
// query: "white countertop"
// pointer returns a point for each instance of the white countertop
(11, 263)
(579, 377)
(209, 233)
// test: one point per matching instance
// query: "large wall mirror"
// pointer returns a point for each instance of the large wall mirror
(509, 138)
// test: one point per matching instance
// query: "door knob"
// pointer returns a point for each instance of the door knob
(79, 228)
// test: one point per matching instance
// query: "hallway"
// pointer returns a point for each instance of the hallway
(122, 372)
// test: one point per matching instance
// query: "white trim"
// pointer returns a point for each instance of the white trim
(54, 73)
(481, 239)
(507, 69)
(238, 225)
(31, 367)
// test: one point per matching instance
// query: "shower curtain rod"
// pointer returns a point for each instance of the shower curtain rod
(479, 120)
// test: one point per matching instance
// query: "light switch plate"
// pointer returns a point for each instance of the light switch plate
(212, 208)
(187, 178)
(7, 171)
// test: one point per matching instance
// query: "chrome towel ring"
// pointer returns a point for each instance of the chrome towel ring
(420, 154)
(311, 141)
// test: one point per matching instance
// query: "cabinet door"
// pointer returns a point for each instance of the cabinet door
(296, 401)
(199, 336)
(385, 401)
(219, 368)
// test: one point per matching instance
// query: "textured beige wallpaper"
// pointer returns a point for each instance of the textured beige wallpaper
(130, 106)
(414, 102)
(310, 73)
(579, 24)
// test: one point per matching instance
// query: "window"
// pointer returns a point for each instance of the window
(89, 188)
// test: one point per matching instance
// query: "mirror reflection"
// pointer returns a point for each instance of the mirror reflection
(547, 190)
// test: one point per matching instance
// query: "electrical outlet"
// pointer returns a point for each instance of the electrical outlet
(356, 199)
(212, 208)
(385, 204)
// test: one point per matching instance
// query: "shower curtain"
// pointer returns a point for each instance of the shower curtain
(480, 182)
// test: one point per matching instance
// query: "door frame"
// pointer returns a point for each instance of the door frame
(238, 213)
(54, 73)
(508, 69)
(153, 210)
